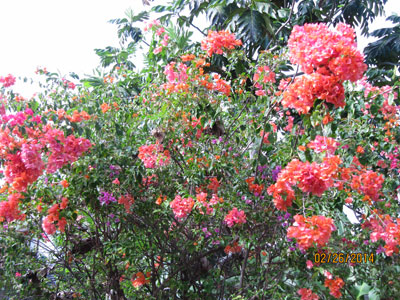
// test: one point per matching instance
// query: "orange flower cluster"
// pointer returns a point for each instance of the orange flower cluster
(311, 178)
(54, 216)
(256, 189)
(334, 285)
(368, 183)
(301, 94)
(139, 279)
(235, 248)
(9, 209)
(126, 200)
(307, 231)
(76, 116)
(218, 41)
(307, 294)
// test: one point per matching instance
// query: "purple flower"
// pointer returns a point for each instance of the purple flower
(206, 232)
(292, 249)
(280, 218)
(275, 172)
(287, 216)
(366, 242)
(380, 250)
(106, 198)
(248, 201)
(216, 230)
(214, 141)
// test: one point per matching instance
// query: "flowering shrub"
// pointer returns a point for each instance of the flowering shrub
(207, 174)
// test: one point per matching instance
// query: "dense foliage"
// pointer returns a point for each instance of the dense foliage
(196, 179)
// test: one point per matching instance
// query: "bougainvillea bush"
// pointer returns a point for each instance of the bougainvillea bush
(196, 179)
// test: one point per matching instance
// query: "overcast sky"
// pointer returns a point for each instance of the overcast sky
(62, 36)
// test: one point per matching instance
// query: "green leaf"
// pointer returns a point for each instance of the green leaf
(362, 290)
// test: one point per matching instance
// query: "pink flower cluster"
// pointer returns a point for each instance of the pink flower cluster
(316, 48)
(23, 154)
(218, 41)
(176, 74)
(154, 156)
(155, 25)
(322, 144)
(328, 58)
(235, 216)
(263, 75)
(181, 207)
(68, 84)
(388, 231)
(208, 205)
(7, 81)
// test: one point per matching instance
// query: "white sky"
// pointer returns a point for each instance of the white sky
(62, 35)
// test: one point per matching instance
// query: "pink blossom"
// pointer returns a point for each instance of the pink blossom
(158, 50)
(235, 217)
(7, 81)
(181, 206)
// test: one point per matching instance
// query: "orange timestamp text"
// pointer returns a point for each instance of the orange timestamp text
(343, 258)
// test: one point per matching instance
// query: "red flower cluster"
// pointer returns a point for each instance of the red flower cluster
(328, 58)
(235, 217)
(218, 41)
(388, 231)
(307, 294)
(308, 231)
(311, 178)
(181, 206)
(154, 156)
